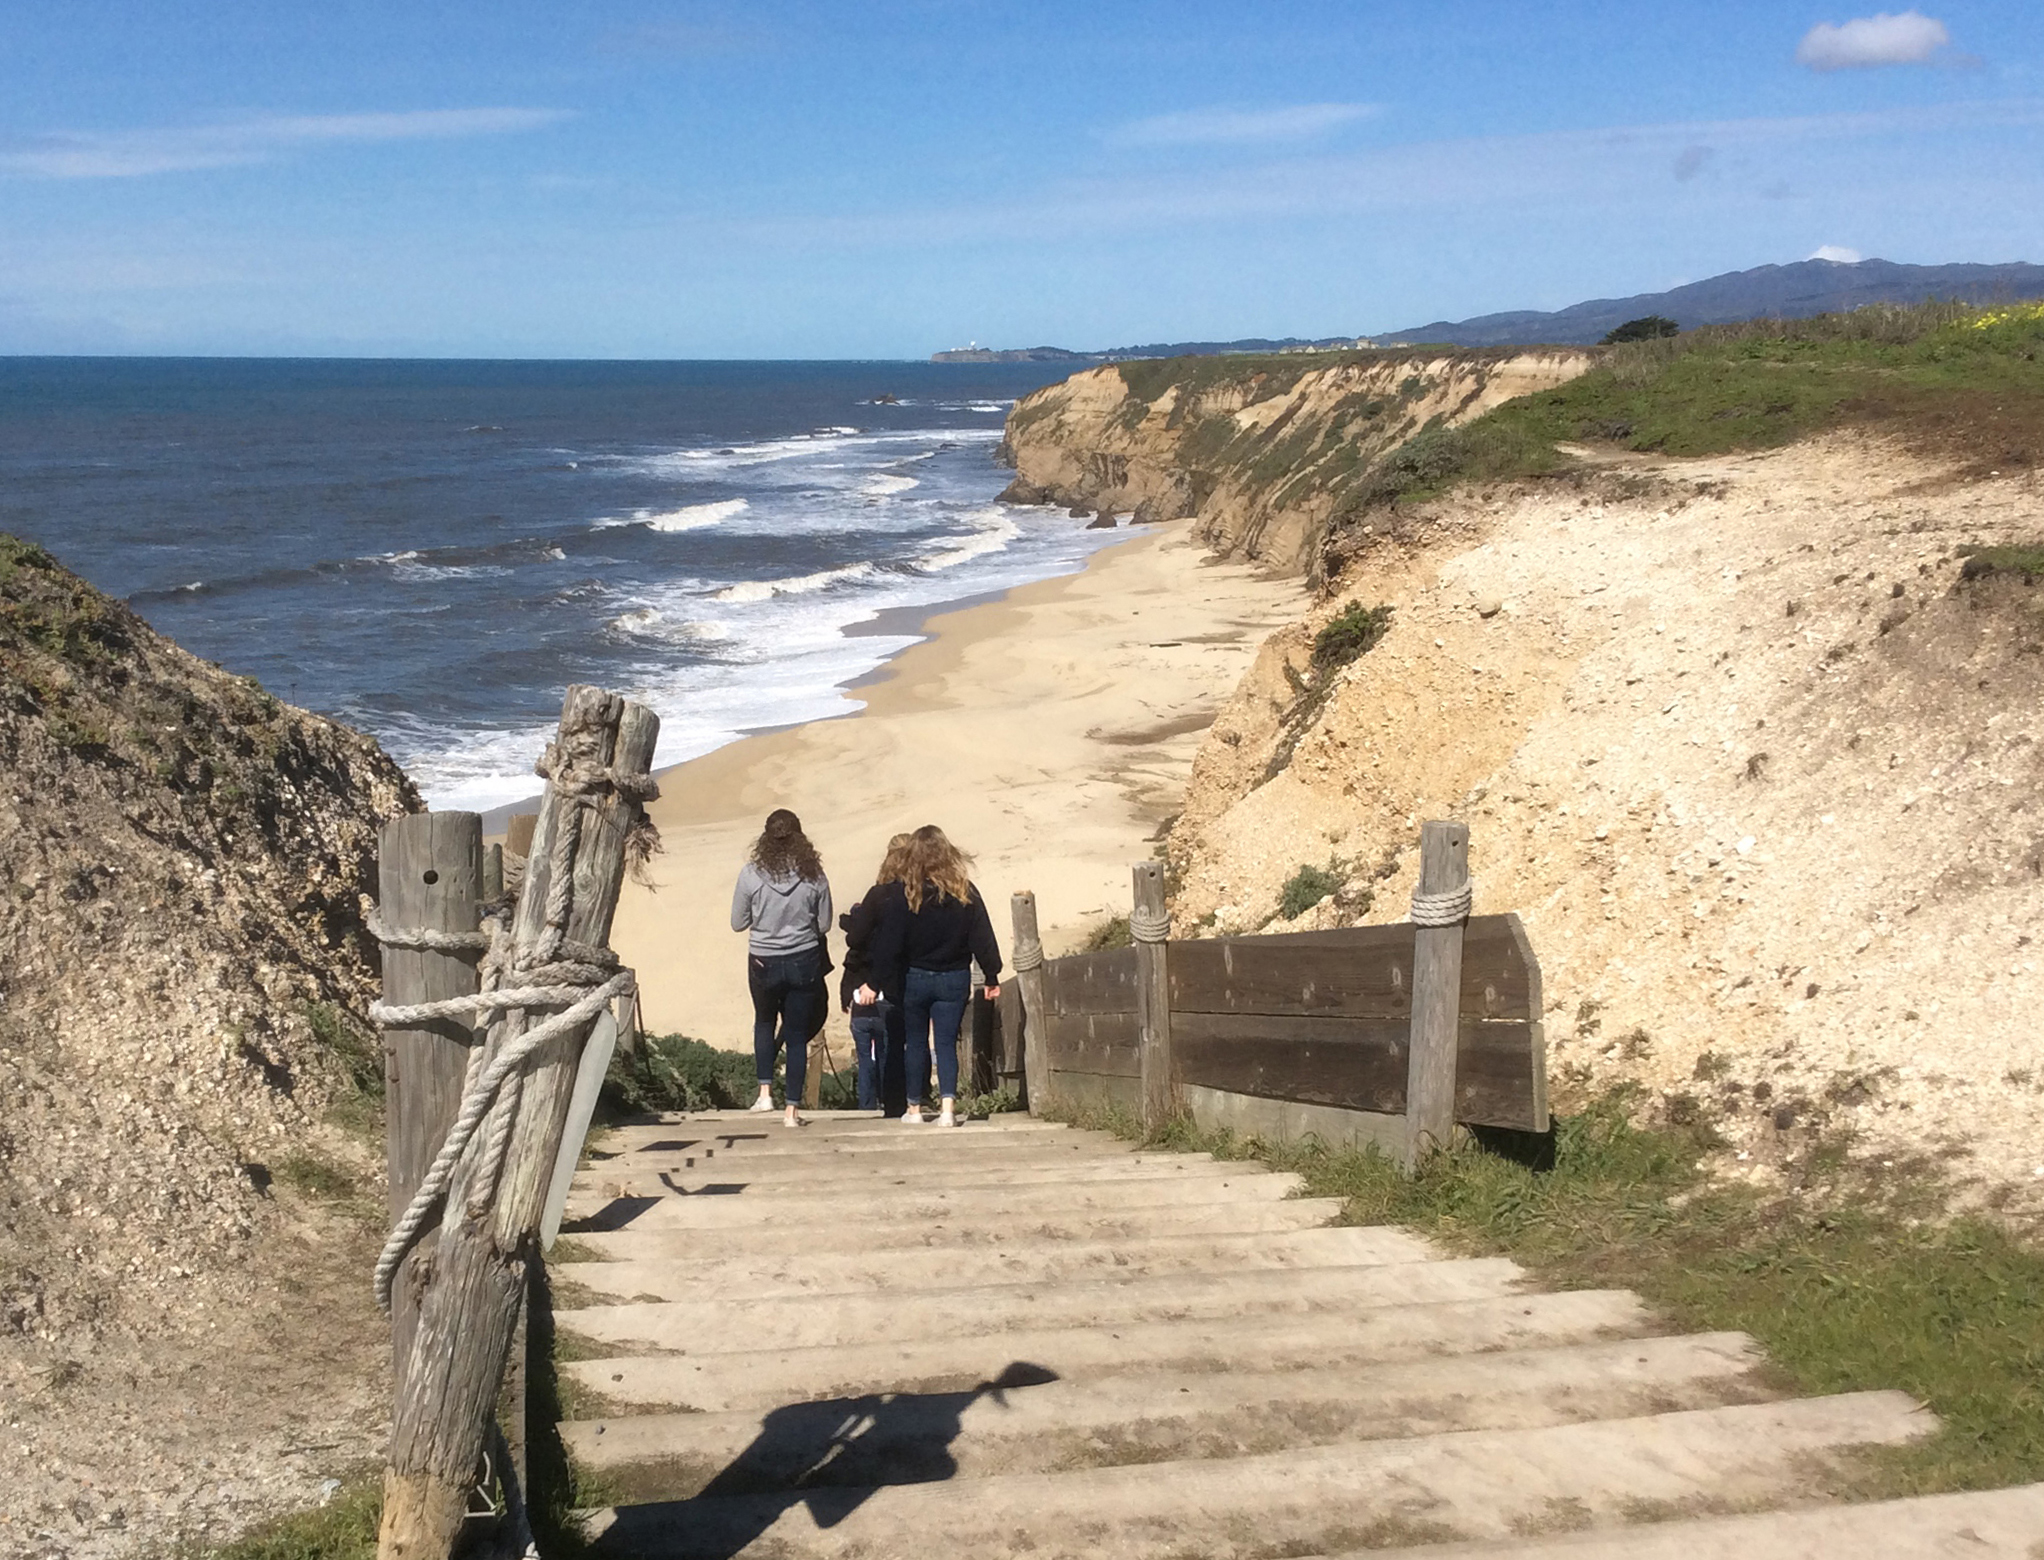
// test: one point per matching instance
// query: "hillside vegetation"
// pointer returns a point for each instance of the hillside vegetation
(187, 1090)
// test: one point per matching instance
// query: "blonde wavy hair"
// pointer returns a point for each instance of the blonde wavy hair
(894, 865)
(934, 862)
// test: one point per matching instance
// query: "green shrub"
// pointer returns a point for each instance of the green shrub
(1110, 933)
(1350, 633)
(1306, 888)
(673, 1072)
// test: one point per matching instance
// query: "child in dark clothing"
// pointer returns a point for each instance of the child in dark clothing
(869, 1019)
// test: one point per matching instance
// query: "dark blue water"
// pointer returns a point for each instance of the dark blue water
(433, 550)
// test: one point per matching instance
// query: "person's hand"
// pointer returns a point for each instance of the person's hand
(993, 991)
(865, 996)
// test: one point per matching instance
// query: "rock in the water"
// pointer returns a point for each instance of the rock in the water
(1078, 512)
(1020, 492)
(1104, 521)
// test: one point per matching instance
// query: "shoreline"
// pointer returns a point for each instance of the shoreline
(1051, 730)
(905, 622)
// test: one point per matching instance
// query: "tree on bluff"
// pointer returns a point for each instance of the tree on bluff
(1648, 327)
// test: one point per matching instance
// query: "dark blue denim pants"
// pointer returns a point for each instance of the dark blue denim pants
(869, 1045)
(786, 989)
(933, 1005)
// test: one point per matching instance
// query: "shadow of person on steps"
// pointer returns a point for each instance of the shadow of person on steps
(829, 1456)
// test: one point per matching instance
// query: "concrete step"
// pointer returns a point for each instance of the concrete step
(718, 1374)
(600, 1183)
(1475, 1484)
(825, 1127)
(1025, 1425)
(916, 1311)
(1982, 1525)
(1034, 1261)
(777, 1143)
(850, 1161)
(840, 1233)
(647, 1212)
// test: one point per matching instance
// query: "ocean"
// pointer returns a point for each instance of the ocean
(432, 550)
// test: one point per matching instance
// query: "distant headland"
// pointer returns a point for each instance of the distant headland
(1797, 291)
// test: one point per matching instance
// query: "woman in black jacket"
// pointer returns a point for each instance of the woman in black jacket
(930, 927)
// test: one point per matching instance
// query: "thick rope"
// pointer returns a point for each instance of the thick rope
(1147, 928)
(1026, 956)
(1449, 909)
(584, 1003)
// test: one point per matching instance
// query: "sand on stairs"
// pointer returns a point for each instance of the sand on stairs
(862, 1339)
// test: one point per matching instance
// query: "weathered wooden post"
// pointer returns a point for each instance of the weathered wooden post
(1440, 907)
(1149, 926)
(447, 1388)
(493, 872)
(430, 872)
(1026, 959)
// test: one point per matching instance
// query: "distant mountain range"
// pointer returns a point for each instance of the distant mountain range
(1784, 291)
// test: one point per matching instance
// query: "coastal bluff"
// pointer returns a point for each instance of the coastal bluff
(1739, 688)
(1265, 450)
(187, 1088)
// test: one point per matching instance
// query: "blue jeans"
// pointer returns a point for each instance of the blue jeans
(869, 1045)
(933, 1005)
(788, 989)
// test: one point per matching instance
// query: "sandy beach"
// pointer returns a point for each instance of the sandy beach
(1050, 733)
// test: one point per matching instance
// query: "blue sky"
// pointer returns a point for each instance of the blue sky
(779, 179)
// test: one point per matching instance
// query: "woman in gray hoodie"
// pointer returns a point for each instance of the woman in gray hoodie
(783, 899)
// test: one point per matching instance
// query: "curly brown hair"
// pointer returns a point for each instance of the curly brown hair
(783, 848)
(934, 862)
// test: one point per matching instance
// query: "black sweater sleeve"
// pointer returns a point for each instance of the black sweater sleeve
(980, 931)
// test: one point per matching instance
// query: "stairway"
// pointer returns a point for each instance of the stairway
(862, 1339)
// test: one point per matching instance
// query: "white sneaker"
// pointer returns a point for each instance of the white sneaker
(792, 1120)
(913, 1116)
(946, 1119)
(762, 1103)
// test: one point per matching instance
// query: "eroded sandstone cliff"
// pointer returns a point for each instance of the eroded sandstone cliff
(1264, 451)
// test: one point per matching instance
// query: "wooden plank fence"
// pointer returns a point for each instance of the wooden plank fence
(1298, 1032)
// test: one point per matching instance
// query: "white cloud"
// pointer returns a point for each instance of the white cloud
(127, 154)
(1239, 126)
(1905, 38)
(1838, 254)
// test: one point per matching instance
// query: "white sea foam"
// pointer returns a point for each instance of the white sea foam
(887, 484)
(690, 517)
(799, 585)
(652, 623)
(993, 529)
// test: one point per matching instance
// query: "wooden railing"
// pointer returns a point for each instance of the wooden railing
(1292, 1034)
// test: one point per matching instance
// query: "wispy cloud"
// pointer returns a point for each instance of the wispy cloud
(129, 154)
(1837, 254)
(1241, 126)
(1904, 38)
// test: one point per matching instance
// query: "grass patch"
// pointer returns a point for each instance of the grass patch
(314, 1176)
(675, 1073)
(2025, 562)
(1953, 375)
(343, 1529)
(1859, 1281)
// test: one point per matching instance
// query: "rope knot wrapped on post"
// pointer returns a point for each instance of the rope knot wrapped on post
(1145, 927)
(1449, 909)
(1026, 956)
